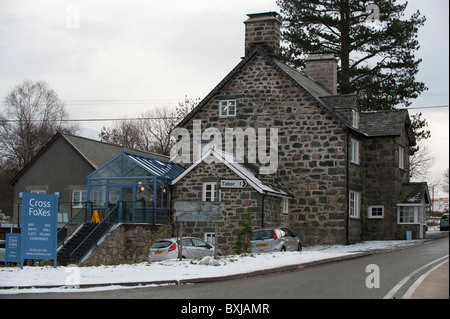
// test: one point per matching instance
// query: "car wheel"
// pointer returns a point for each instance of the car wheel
(299, 248)
(283, 248)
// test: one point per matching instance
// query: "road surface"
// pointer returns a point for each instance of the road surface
(373, 277)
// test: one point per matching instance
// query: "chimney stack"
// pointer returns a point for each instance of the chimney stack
(263, 29)
(322, 68)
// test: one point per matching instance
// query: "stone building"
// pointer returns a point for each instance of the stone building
(338, 175)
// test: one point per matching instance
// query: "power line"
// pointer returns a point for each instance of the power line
(176, 117)
(425, 107)
(120, 102)
(99, 120)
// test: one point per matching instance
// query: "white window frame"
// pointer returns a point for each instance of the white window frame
(38, 191)
(411, 211)
(354, 151)
(228, 108)
(371, 210)
(355, 119)
(79, 203)
(354, 204)
(286, 206)
(401, 157)
(210, 238)
(212, 197)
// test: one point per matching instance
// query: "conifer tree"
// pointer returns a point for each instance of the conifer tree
(374, 42)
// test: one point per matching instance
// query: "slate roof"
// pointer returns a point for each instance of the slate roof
(95, 153)
(414, 194)
(98, 153)
(386, 123)
(372, 124)
(309, 86)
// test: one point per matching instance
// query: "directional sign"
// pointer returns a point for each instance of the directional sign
(199, 211)
(12, 248)
(234, 183)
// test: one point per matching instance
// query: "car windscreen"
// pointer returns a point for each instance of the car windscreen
(161, 244)
(262, 234)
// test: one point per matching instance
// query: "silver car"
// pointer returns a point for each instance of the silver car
(192, 248)
(275, 239)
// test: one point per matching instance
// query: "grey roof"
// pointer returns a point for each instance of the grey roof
(311, 87)
(341, 101)
(386, 123)
(372, 124)
(315, 88)
(414, 194)
(98, 153)
(94, 152)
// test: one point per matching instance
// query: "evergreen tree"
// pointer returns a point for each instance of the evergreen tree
(243, 244)
(374, 43)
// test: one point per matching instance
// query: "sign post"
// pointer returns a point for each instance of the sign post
(39, 227)
(199, 212)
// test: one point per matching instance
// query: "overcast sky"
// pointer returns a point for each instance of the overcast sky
(111, 58)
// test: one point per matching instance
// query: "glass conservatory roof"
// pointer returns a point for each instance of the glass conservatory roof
(132, 165)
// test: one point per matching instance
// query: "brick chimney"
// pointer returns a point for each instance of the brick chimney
(263, 29)
(322, 68)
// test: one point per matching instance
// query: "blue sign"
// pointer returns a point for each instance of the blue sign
(12, 253)
(39, 227)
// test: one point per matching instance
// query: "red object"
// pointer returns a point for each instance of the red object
(173, 247)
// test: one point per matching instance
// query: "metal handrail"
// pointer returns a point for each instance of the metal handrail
(104, 221)
(71, 222)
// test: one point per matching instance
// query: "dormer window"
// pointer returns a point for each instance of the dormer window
(228, 108)
(355, 119)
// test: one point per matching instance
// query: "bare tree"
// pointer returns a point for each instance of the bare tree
(421, 162)
(445, 185)
(33, 114)
(126, 133)
(149, 131)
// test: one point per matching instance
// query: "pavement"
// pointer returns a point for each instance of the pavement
(435, 284)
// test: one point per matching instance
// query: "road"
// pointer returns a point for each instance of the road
(339, 280)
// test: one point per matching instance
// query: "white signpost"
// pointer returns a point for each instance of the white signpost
(199, 212)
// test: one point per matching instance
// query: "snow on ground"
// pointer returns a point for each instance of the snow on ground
(173, 269)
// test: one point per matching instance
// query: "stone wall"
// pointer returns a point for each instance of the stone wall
(237, 201)
(382, 184)
(311, 152)
(129, 243)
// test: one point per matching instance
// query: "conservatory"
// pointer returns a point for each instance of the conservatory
(137, 187)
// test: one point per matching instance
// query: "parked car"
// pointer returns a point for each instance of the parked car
(275, 239)
(192, 248)
(444, 222)
(2, 251)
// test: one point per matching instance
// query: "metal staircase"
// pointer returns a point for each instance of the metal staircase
(83, 237)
